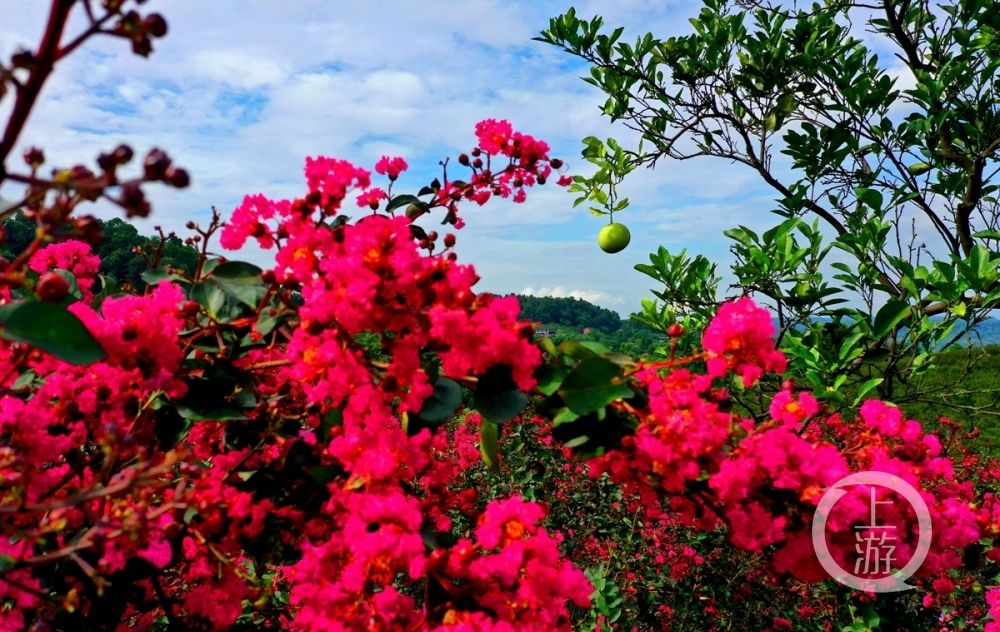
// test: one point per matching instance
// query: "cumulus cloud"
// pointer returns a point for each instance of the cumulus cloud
(591, 296)
(240, 91)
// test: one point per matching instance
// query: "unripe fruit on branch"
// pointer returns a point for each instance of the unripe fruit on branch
(918, 168)
(614, 238)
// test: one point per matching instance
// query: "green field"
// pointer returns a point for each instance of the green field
(971, 379)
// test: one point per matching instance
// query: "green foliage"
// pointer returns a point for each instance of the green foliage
(886, 248)
(120, 250)
(50, 327)
(571, 312)
(497, 397)
(971, 381)
(584, 380)
(443, 402)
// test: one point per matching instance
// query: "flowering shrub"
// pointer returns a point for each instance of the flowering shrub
(134, 493)
(269, 447)
(287, 448)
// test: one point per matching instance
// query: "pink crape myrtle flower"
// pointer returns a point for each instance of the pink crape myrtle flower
(390, 167)
(741, 338)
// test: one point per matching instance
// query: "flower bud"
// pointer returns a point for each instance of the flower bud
(133, 200)
(23, 58)
(155, 25)
(34, 157)
(123, 154)
(178, 178)
(463, 159)
(52, 286)
(556, 163)
(142, 46)
(156, 164)
(676, 330)
(106, 162)
(449, 240)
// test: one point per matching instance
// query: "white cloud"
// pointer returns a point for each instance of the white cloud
(591, 296)
(237, 69)
(240, 91)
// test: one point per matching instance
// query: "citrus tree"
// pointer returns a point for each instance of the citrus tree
(876, 127)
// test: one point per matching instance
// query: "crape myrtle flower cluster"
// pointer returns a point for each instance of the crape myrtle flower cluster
(101, 502)
(691, 457)
(312, 496)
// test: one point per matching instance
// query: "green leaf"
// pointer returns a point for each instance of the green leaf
(241, 280)
(443, 402)
(866, 388)
(210, 296)
(891, 314)
(323, 474)
(496, 396)
(237, 272)
(6, 562)
(771, 121)
(550, 377)
(871, 197)
(489, 433)
(155, 275)
(196, 412)
(592, 385)
(51, 328)
(565, 415)
(404, 200)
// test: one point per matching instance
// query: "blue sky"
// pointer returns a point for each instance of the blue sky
(241, 90)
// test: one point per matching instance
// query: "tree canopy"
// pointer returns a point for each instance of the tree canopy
(570, 312)
(883, 167)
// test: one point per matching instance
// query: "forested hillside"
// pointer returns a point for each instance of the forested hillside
(124, 253)
(570, 312)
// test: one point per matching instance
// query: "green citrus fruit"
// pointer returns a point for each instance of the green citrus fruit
(613, 238)
(919, 168)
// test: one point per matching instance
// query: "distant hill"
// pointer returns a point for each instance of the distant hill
(986, 333)
(569, 312)
(568, 315)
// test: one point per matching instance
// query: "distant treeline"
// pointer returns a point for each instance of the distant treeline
(117, 250)
(576, 319)
(569, 312)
